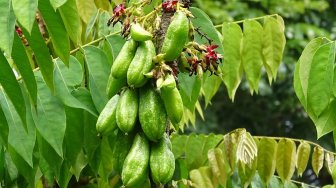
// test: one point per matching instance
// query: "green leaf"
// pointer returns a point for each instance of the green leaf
(51, 120)
(56, 30)
(178, 143)
(232, 66)
(286, 159)
(116, 42)
(23, 65)
(327, 120)
(190, 87)
(7, 25)
(86, 9)
(21, 140)
(103, 28)
(298, 87)
(74, 133)
(91, 140)
(267, 150)
(273, 45)
(320, 78)
(71, 20)
(303, 153)
(25, 12)
(23, 167)
(90, 29)
(4, 128)
(305, 62)
(42, 55)
(317, 159)
(247, 172)
(65, 175)
(99, 70)
(66, 78)
(218, 165)
(106, 159)
(252, 53)
(193, 149)
(12, 88)
(210, 86)
(203, 21)
(48, 153)
(80, 164)
(202, 177)
(57, 3)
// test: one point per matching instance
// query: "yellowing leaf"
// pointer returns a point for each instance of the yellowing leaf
(329, 159)
(267, 149)
(286, 158)
(303, 153)
(201, 177)
(317, 159)
(218, 166)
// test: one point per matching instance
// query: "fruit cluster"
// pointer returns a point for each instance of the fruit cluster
(144, 97)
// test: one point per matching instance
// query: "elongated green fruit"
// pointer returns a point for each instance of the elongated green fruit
(106, 122)
(138, 33)
(123, 60)
(120, 150)
(161, 162)
(173, 103)
(135, 167)
(145, 184)
(141, 64)
(169, 82)
(114, 85)
(176, 37)
(127, 110)
(152, 113)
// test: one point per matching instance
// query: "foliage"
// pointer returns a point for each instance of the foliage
(54, 70)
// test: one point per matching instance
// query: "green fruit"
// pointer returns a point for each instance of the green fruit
(141, 64)
(169, 82)
(152, 113)
(173, 104)
(123, 60)
(114, 85)
(127, 110)
(135, 167)
(145, 184)
(161, 162)
(138, 33)
(122, 145)
(106, 122)
(176, 37)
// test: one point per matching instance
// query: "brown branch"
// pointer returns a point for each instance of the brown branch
(161, 33)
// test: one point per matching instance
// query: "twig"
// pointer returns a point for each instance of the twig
(241, 21)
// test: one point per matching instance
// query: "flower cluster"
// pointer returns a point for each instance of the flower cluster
(207, 61)
(211, 56)
(169, 6)
(118, 12)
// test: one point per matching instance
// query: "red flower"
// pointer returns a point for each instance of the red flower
(211, 56)
(119, 10)
(18, 30)
(169, 6)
